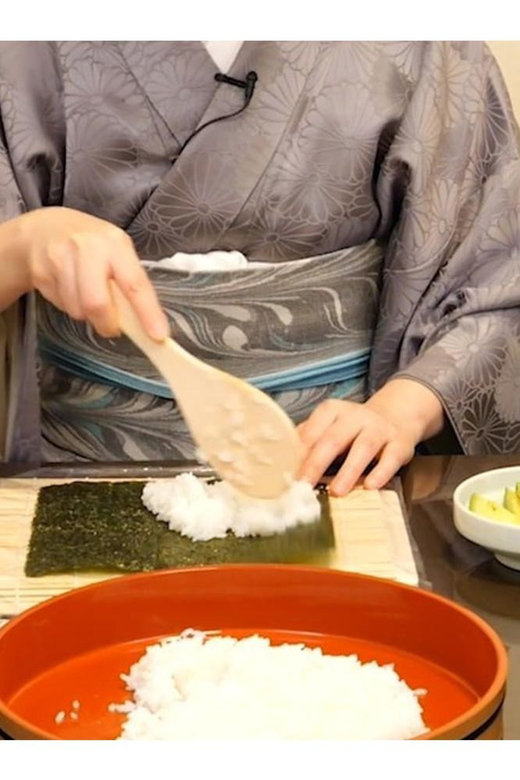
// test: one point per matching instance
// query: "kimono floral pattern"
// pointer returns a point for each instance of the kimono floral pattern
(391, 168)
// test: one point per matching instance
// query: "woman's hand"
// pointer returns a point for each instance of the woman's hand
(69, 257)
(386, 429)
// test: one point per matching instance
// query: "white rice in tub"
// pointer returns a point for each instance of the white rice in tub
(194, 687)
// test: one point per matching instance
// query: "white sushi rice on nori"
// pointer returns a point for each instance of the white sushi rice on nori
(194, 687)
(203, 511)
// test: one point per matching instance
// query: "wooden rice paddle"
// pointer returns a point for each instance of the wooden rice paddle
(242, 433)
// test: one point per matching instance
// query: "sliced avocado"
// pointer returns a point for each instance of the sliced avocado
(512, 501)
(492, 510)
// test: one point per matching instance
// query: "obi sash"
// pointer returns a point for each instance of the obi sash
(300, 330)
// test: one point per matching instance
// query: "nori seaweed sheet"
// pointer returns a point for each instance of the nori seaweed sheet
(89, 526)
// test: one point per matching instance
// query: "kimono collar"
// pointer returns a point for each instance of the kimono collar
(220, 167)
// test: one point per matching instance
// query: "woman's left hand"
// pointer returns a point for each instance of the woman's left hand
(386, 429)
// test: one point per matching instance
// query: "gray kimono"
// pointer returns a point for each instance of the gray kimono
(375, 185)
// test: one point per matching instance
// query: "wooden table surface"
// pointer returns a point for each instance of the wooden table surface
(458, 569)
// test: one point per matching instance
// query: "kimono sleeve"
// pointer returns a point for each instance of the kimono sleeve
(31, 173)
(450, 315)
(19, 404)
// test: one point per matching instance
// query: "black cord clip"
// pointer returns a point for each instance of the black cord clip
(248, 85)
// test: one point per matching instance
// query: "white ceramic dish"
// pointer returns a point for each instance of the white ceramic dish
(501, 538)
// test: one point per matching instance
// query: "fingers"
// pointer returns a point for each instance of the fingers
(66, 282)
(133, 281)
(75, 275)
(92, 268)
(45, 273)
(318, 422)
(330, 442)
(96, 301)
(363, 451)
(394, 455)
(339, 426)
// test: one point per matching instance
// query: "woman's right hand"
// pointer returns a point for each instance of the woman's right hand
(69, 257)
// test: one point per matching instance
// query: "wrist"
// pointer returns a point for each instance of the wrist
(411, 406)
(14, 257)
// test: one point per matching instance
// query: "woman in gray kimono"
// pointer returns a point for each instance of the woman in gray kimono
(374, 189)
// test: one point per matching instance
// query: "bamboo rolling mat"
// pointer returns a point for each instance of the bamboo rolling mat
(369, 527)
